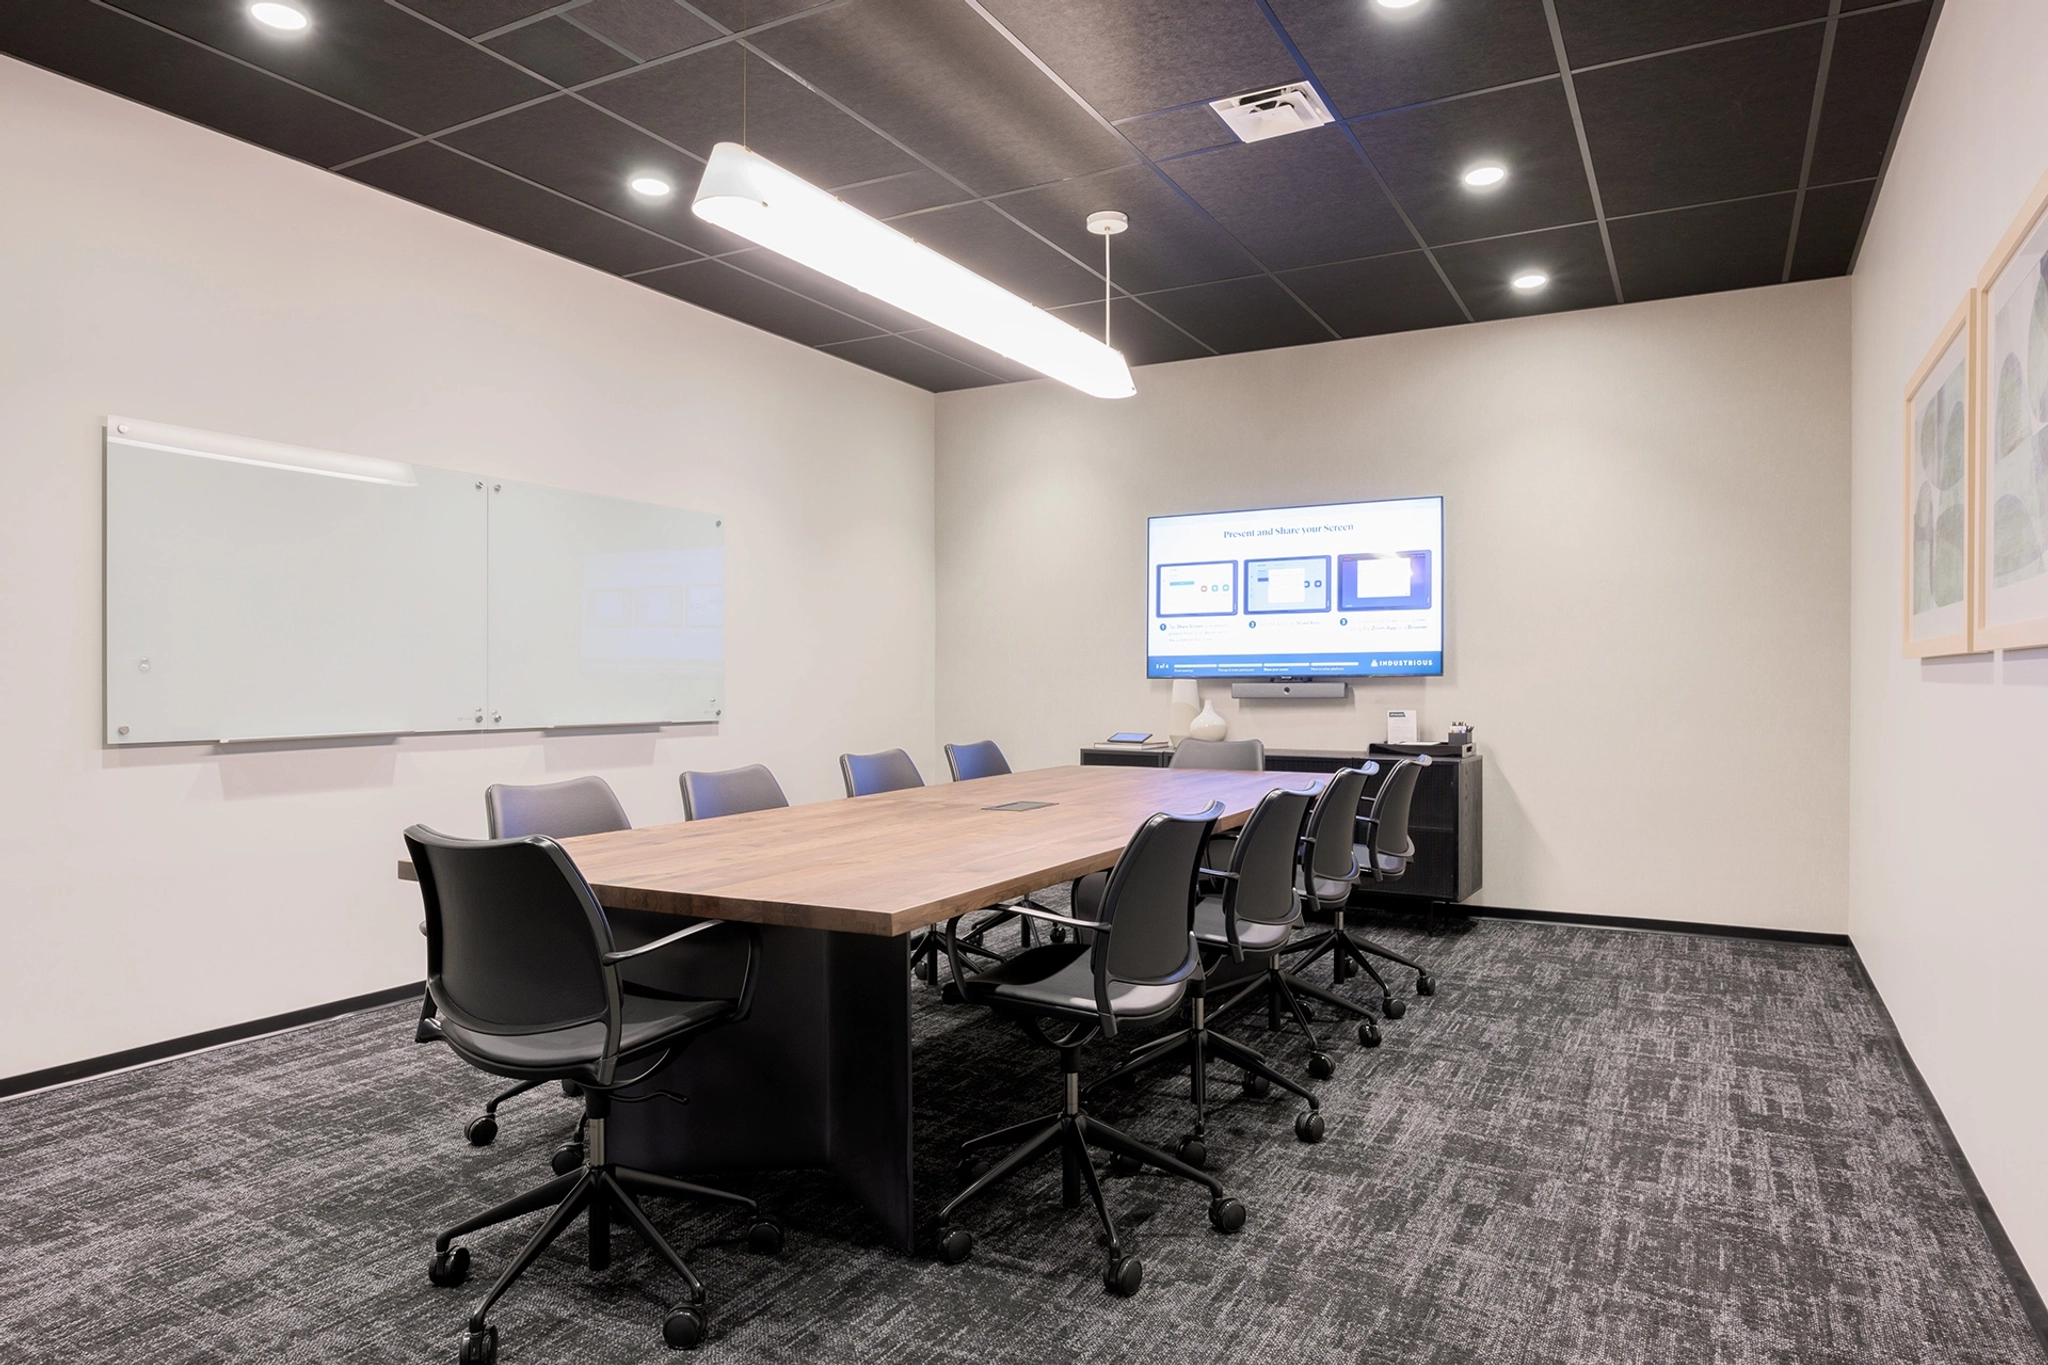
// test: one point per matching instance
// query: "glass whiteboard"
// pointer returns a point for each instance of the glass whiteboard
(266, 592)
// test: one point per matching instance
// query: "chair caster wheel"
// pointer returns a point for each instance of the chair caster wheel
(1369, 1033)
(1320, 1066)
(481, 1131)
(1393, 1007)
(950, 993)
(479, 1348)
(1192, 1150)
(1425, 984)
(1257, 1086)
(449, 1268)
(1225, 1214)
(955, 1245)
(567, 1157)
(572, 1090)
(1125, 1276)
(1125, 1165)
(765, 1237)
(1308, 1014)
(683, 1329)
(1059, 933)
(1308, 1126)
(972, 1168)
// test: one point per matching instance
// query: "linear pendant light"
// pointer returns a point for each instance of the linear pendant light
(748, 194)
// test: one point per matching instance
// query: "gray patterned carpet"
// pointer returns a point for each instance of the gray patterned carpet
(1591, 1146)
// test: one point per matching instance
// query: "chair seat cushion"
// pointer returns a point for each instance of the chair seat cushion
(1391, 865)
(1252, 935)
(1060, 978)
(573, 1051)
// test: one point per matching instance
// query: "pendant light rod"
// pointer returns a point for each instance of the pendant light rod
(1106, 223)
(752, 197)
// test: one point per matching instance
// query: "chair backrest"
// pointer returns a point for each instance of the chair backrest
(888, 771)
(1231, 755)
(969, 761)
(1389, 809)
(1327, 844)
(560, 810)
(1263, 857)
(1149, 901)
(706, 796)
(515, 940)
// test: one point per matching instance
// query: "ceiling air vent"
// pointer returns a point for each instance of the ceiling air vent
(1273, 113)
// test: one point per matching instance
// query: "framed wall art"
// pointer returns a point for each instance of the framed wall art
(2009, 563)
(1941, 410)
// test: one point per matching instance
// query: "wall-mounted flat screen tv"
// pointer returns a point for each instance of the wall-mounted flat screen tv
(1346, 590)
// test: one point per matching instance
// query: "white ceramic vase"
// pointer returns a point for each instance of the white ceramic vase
(1208, 725)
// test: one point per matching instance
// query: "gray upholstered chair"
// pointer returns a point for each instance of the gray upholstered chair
(1137, 968)
(1239, 929)
(1232, 755)
(1383, 850)
(706, 796)
(870, 774)
(524, 976)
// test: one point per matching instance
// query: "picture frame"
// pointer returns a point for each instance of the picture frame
(1941, 412)
(2009, 496)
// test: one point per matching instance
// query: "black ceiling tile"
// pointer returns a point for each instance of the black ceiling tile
(1177, 132)
(939, 78)
(1369, 58)
(1384, 294)
(363, 52)
(778, 269)
(756, 302)
(913, 364)
(976, 236)
(1139, 55)
(1303, 199)
(1867, 77)
(980, 357)
(457, 186)
(1240, 315)
(1142, 335)
(1423, 152)
(645, 28)
(908, 192)
(560, 52)
(589, 155)
(1702, 250)
(1170, 242)
(1848, 5)
(88, 43)
(471, 17)
(694, 102)
(1829, 224)
(1603, 31)
(1695, 127)
(739, 14)
(1571, 256)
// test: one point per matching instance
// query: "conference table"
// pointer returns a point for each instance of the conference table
(819, 1075)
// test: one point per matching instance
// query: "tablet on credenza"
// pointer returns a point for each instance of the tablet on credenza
(1130, 737)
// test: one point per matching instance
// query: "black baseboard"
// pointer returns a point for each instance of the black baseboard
(1662, 926)
(193, 1042)
(2001, 1245)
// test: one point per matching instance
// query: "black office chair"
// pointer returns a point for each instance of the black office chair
(1384, 851)
(1137, 968)
(969, 763)
(734, 791)
(560, 810)
(892, 771)
(1325, 861)
(525, 981)
(1239, 931)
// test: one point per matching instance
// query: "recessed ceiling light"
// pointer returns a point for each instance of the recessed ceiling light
(653, 186)
(286, 18)
(1398, 4)
(1530, 280)
(1485, 175)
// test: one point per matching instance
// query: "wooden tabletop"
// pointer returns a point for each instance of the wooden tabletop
(895, 862)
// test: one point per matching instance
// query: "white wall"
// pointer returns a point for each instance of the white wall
(159, 270)
(1647, 577)
(1949, 759)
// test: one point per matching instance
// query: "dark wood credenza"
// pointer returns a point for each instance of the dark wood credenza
(1444, 821)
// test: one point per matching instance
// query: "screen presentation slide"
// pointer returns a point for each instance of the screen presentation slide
(1343, 590)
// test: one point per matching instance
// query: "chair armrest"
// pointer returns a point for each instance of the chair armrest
(1100, 926)
(611, 959)
(1212, 872)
